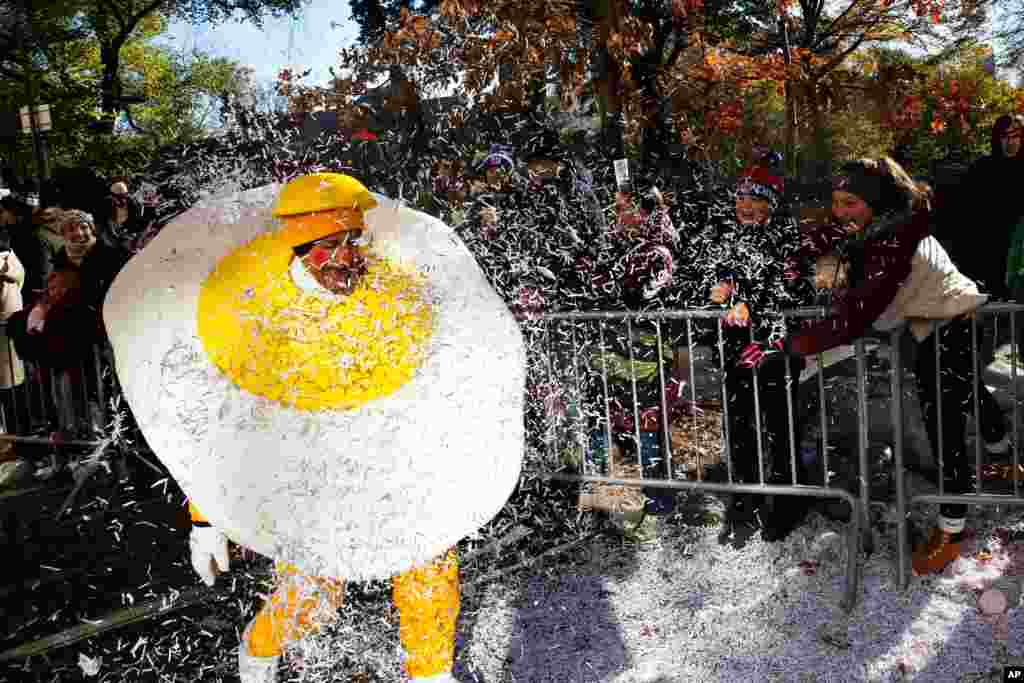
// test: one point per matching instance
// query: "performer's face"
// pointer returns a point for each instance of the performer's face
(335, 262)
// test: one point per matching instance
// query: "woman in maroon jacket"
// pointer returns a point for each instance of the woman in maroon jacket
(898, 273)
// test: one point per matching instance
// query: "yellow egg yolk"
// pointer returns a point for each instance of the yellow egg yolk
(277, 341)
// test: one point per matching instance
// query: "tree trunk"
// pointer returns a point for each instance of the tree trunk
(820, 136)
(789, 153)
(110, 84)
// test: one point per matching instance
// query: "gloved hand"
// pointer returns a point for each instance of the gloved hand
(209, 551)
(738, 316)
(754, 355)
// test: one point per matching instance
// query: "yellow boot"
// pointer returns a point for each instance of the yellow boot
(299, 606)
(428, 604)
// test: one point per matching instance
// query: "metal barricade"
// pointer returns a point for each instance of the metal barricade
(980, 362)
(568, 342)
(68, 403)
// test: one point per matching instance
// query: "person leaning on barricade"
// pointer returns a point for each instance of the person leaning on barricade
(746, 257)
(900, 274)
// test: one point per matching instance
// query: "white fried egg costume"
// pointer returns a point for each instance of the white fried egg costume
(357, 493)
(350, 413)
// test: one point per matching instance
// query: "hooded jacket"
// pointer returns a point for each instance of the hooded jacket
(977, 225)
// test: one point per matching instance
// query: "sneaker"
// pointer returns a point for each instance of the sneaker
(253, 669)
(936, 553)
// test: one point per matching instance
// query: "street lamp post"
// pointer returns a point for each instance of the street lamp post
(36, 121)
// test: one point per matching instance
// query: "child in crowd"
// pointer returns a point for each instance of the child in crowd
(743, 260)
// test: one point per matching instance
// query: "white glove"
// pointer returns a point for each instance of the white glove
(209, 551)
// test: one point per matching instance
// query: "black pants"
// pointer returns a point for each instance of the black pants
(771, 380)
(957, 370)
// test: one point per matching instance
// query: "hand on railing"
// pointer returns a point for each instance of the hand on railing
(755, 354)
(738, 316)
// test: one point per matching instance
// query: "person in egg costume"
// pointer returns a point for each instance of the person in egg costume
(329, 269)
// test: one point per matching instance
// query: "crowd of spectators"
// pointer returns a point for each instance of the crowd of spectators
(58, 257)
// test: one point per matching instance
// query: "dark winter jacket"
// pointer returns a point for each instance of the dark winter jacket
(133, 226)
(97, 270)
(760, 262)
(978, 220)
(66, 340)
(882, 263)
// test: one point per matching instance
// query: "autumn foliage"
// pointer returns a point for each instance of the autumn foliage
(667, 69)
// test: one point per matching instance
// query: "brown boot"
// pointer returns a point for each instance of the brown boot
(937, 553)
(7, 452)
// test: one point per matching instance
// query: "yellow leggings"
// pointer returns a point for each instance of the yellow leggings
(428, 605)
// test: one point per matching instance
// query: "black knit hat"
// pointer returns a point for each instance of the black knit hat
(874, 186)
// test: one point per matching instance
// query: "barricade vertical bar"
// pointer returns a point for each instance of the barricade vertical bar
(549, 399)
(792, 421)
(896, 407)
(28, 395)
(938, 411)
(13, 389)
(1016, 401)
(581, 433)
(665, 417)
(862, 428)
(97, 350)
(757, 420)
(693, 390)
(823, 418)
(86, 408)
(636, 401)
(61, 413)
(725, 401)
(978, 436)
(607, 399)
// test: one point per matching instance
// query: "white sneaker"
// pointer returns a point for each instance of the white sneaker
(255, 669)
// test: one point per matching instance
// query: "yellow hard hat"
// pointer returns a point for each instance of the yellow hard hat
(321, 192)
(321, 204)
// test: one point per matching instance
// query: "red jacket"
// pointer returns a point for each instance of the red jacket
(886, 265)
